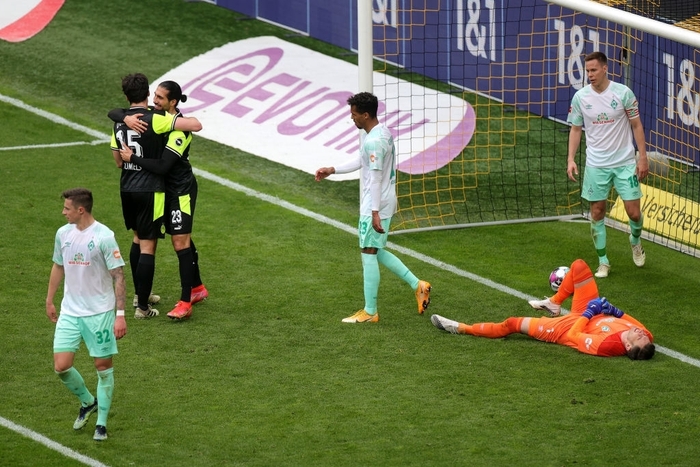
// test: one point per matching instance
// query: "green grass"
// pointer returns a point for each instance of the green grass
(264, 373)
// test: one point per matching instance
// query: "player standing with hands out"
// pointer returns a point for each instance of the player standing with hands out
(377, 164)
(87, 256)
(610, 113)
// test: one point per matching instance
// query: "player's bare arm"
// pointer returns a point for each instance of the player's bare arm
(574, 142)
(120, 292)
(55, 279)
(642, 163)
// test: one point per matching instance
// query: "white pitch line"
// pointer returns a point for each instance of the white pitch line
(326, 220)
(53, 145)
(50, 444)
(101, 137)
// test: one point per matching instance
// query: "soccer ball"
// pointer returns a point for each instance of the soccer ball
(556, 276)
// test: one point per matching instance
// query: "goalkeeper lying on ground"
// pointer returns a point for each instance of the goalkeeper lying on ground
(594, 326)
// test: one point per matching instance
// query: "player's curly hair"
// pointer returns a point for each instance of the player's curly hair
(135, 87)
(642, 353)
(365, 102)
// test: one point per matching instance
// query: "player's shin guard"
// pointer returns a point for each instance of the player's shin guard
(144, 276)
(494, 330)
(396, 266)
(74, 381)
(105, 389)
(600, 239)
(636, 230)
(370, 273)
(186, 266)
(134, 255)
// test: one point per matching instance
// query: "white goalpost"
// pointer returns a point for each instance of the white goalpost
(477, 93)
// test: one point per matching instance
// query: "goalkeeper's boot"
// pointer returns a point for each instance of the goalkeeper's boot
(84, 415)
(198, 294)
(423, 296)
(445, 324)
(546, 305)
(182, 310)
(152, 299)
(638, 255)
(603, 270)
(362, 317)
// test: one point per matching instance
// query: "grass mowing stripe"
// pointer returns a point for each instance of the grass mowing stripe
(50, 444)
(326, 220)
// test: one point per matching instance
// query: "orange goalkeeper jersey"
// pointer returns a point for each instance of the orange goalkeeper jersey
(599, 336)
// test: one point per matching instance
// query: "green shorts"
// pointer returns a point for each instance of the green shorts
(97, 331)
(370, 238)
(597, 183)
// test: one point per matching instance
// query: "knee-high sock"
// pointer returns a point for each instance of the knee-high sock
(134, 255)
(492, 330)
(105, 389)
(186, 264)
(196, 279)
(396, 266)
(370, 272)
(144, 275)
(76, 384)
(636, 230)
(580, 283)
(600, 239)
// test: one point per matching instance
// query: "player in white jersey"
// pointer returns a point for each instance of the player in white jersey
(87, 259)
(377, 164)
(610, 114)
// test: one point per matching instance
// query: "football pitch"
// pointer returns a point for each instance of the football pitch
(264, 373)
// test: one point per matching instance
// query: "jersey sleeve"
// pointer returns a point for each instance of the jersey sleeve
(113, 144)
(376, 152)
(57, 254)
(575, 116)
(178, 141)
(629, 100)
(163, 122)
(110, 252)
(599, 344)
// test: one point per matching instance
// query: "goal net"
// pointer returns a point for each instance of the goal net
(494, 79)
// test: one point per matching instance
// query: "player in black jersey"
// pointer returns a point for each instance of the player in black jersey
(180, 195)
(142, 191)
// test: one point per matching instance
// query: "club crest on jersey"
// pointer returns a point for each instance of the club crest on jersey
(372, 158)
(117, 254)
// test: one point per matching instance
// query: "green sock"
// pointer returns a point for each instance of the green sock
(105, 388)
(600, 239)
(636, 230)
(76, 384)
(396, 266)
(370, 269)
